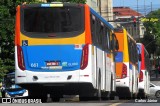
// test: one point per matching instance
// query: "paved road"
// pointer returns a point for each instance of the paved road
(135, 102)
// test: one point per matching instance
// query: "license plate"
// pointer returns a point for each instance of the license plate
(53, 63)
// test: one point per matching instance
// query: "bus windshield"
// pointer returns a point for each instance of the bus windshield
(52, 20)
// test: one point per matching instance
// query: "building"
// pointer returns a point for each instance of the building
(129, 19)
(103, 7)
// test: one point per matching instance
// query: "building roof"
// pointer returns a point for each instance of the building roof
(125, 11)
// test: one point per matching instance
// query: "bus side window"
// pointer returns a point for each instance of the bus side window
(101, 36)
(93, 29)
(135, 53)
(130, 49)
(115, 42)
(106, 39)
(99, 33)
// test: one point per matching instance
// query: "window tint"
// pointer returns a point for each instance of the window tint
(52, 20)
(100, 33)
(93, 29)
(106, 39)
(133, 53)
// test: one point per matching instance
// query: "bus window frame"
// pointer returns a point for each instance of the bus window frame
(100, 33)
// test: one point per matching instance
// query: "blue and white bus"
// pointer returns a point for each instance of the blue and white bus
(64, 48)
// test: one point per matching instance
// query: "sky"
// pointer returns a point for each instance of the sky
(143, 5)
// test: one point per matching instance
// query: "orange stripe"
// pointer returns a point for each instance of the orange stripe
(120, 39)
(87, 25)
(17, 26)
(119, 70)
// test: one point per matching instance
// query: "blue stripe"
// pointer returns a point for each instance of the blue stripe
(119, 57)
(139, 52)
(139, 48)
(36, 57)
(130, 66)
(102, 19)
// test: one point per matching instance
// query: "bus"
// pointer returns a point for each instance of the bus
(64, 48)
(126, 65)
(10, 89)
(144, 71)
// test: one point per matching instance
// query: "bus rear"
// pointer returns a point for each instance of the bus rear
(126, 65)
(122, 57)
(144, 66)
(51, 47)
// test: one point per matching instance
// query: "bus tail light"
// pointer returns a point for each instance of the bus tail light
(141, 76)
(84, 58)
(20, 58)
(124, 71)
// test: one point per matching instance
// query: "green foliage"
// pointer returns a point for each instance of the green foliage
(6, 37)
(7, 22)
(152, 33)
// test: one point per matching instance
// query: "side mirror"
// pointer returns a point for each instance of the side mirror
(114, 43)
(117, 45)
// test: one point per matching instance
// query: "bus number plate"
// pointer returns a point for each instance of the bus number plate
(53, 63)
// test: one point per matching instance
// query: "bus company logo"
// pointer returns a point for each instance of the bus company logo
(6, 100)
(64, 64)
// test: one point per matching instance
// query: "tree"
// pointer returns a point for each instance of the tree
(152, 34)
(6, 37)
(7, 22)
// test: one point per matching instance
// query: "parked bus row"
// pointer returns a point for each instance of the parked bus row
(69, 49)
(132, 67)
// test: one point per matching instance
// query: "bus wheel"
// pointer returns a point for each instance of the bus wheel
(83, 98)
(36, 95)
(56, 97)
(129, 96)
(99, 94)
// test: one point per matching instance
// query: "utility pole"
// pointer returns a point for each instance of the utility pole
(151, 6)
(99, 7)
(144, 8)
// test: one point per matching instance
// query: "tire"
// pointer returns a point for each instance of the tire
(36, 95)
(99, 94)
(83, 98)
(56, 96)
(157, 94)
(55, 99)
